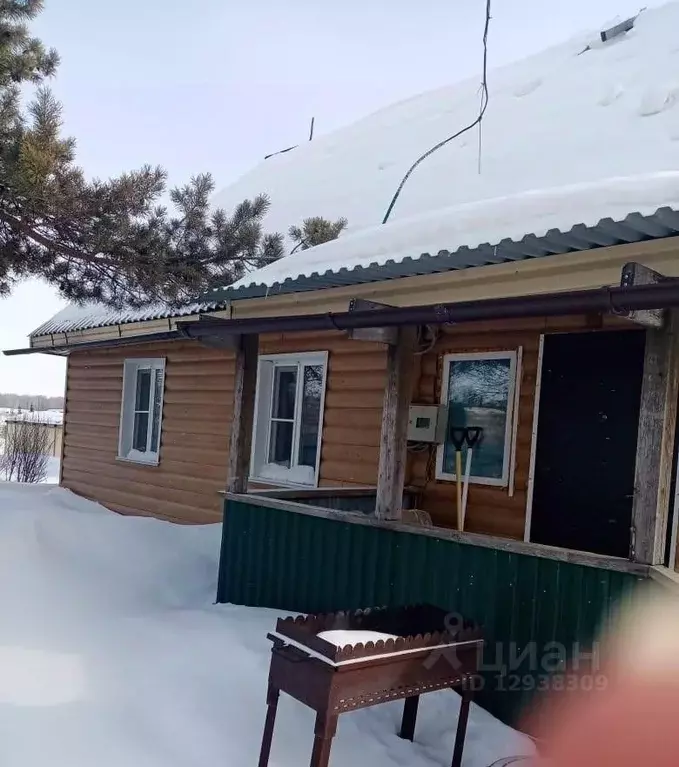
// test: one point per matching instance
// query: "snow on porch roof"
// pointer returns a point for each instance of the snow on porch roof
(581, 114)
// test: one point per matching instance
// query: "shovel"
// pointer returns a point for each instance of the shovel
(472, 437)
(458, 436)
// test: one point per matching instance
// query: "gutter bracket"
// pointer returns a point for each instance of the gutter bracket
(383, 335)
(634, 274)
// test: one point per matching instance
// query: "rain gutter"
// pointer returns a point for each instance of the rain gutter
(109, 343)
(614, 300)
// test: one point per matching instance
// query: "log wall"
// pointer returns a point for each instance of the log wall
(491, 510)
(198, 407)
(194, 438)
(197, 412)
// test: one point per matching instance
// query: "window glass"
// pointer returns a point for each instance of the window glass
(284, 391)
(143, 397)
(140, 431)
(310, 415)
(479, 396)
(280, 446)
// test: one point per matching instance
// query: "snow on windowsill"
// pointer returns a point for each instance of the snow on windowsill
(136, 456)
(276, 474)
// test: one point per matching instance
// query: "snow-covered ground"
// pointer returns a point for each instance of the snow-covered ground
(53, 465)
(112, 654)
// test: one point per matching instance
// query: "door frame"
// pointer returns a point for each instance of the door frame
(534, 442)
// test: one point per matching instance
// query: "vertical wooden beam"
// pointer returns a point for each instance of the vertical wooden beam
(245, 381)
(394, 436)
(655, 444)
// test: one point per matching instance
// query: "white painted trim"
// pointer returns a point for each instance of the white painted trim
(534, 441)
(299, 359)
(138, 462)
(511, 355)
(515, 424)
(135, 364)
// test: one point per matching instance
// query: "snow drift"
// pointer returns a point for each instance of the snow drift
(112, 654)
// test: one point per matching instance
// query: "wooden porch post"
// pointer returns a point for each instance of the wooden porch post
(393, 440)
(655, 444)
(243, 414)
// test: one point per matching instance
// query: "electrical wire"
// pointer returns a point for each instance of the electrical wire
(477, 121)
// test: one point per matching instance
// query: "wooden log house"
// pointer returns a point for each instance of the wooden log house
(298, 404)
(313, 406)
(578, 387)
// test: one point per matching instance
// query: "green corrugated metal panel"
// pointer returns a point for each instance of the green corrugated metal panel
(364, 503)
(302, 563)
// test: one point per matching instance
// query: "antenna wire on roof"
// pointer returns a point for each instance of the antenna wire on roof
(477, 121)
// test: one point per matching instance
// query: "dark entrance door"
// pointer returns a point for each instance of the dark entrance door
(586, 441)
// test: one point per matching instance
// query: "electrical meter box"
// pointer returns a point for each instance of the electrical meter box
(427, 423)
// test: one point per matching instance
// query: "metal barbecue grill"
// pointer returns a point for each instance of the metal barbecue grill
(418, 655)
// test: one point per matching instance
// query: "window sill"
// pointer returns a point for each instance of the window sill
(137, 461)
(282, 483)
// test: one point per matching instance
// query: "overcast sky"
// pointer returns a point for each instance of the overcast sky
(214, 86)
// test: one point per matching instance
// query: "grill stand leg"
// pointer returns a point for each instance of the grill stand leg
(272, 695)
(409, 718)
(461, 727)
(324, 732)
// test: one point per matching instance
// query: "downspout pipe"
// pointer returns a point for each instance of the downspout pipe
(614, 300)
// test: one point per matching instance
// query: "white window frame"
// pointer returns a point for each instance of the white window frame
(131, 367)
(261, 429)
(508, 457)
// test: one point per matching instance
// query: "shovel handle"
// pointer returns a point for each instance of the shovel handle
(458, 473)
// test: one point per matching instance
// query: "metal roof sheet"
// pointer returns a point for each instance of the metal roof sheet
(74, 318)
(635, 227)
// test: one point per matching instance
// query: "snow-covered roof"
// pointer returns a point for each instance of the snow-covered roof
(571, 136)
(580, 149)
(82, 317)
